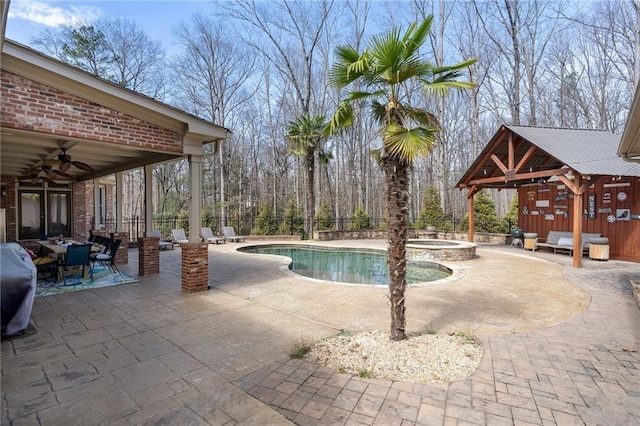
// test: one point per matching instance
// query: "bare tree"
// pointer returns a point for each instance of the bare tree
(211, 76)
(114, 49)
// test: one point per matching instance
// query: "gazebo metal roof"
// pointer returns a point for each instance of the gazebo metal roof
(518, 154)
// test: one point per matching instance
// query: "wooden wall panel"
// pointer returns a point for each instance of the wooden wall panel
(624, 235)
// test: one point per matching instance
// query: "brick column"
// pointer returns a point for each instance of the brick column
(195, 267)
(123, 252)
(148, 255)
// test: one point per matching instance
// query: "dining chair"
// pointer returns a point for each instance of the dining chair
(76, 256)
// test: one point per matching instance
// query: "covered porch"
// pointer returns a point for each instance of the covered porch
(64, 131)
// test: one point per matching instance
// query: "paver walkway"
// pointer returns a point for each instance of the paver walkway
(147, 354)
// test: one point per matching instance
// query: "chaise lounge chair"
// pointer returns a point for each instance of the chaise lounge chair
(230, 234)
(164, 245)
(179, 237)
(207, 236)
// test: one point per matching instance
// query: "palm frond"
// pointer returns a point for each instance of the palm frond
(416, 36)
(377, 156)
(408, 144)
(422, 117)
(343, 117)
(378, 111)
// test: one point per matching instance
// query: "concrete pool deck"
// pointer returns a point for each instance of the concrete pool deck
(561, 347)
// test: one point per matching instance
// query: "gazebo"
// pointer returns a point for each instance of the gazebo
(567, 180)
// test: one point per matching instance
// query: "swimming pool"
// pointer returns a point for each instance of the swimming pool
(347, 265)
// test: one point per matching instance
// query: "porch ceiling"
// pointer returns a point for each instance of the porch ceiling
(24, 152)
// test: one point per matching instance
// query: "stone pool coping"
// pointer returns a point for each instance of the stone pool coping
(456, 271)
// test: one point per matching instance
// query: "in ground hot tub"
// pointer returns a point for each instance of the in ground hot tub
(440, 250)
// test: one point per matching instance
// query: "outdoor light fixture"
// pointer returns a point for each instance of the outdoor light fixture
(3, 191)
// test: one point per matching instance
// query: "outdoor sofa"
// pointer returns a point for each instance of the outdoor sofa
(563, 241)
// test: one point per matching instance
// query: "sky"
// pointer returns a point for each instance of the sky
(27, 18)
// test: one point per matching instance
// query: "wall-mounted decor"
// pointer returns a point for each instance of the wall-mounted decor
(611, 218)
(562, 196)
(606, 197)
(534, 212)
(531, 195)
(591, 206)
(549, 217)
(622, 196)
(623, 214)
(616, 185)
(562, 186)
(604, 210)
(542, 203)
(544, 190)
(525, 210)
(635, 216)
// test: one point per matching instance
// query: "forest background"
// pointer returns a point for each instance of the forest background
(255, 67)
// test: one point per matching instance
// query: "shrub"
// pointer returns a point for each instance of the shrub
(432, 213)
(266, 223)
(360, 220)
(486, 218)
(292, 222)
(324, 218)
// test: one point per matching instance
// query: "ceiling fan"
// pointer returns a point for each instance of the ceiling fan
(50, 174)
(66, 163)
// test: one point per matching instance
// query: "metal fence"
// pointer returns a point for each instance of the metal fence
(135, 226)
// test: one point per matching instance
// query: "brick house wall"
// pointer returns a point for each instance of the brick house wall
(33, 106)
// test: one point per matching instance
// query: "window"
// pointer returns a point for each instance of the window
(43, 211)
(102, 204)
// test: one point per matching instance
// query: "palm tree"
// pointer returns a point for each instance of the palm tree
(306, 133)
(389, 70)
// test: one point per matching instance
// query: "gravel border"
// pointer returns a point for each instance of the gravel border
(425, 358)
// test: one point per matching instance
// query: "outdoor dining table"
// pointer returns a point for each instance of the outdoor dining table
(60, 250)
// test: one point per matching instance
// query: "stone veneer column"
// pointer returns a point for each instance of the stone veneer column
(195, 267)
(123, 252)
(148, 255)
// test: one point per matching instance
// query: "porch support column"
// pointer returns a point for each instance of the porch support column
(148, 247)
(148, 200)
(195, 195)
(96, 204)
(195, 254)
(118, 195)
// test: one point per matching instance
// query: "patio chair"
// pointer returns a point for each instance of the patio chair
(179, 237)
(230, 234)
(164, 245)
(108, 259)
(76, 256)
(207, 236)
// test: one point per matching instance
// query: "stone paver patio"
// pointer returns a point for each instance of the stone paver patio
(562, 346)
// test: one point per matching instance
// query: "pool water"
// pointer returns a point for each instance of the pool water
(348, 265)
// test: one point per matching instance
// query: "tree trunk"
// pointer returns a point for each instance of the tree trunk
(397, 186)
(311, 198)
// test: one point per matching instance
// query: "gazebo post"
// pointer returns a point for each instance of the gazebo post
(577, 223)
(470, 194)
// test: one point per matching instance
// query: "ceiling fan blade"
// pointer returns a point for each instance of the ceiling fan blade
(83, 166)
(50, 174)
(64, 166)
(62, 174)
(46, 179)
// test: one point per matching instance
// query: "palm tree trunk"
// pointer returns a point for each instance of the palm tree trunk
(397, 186)
(311, 197)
